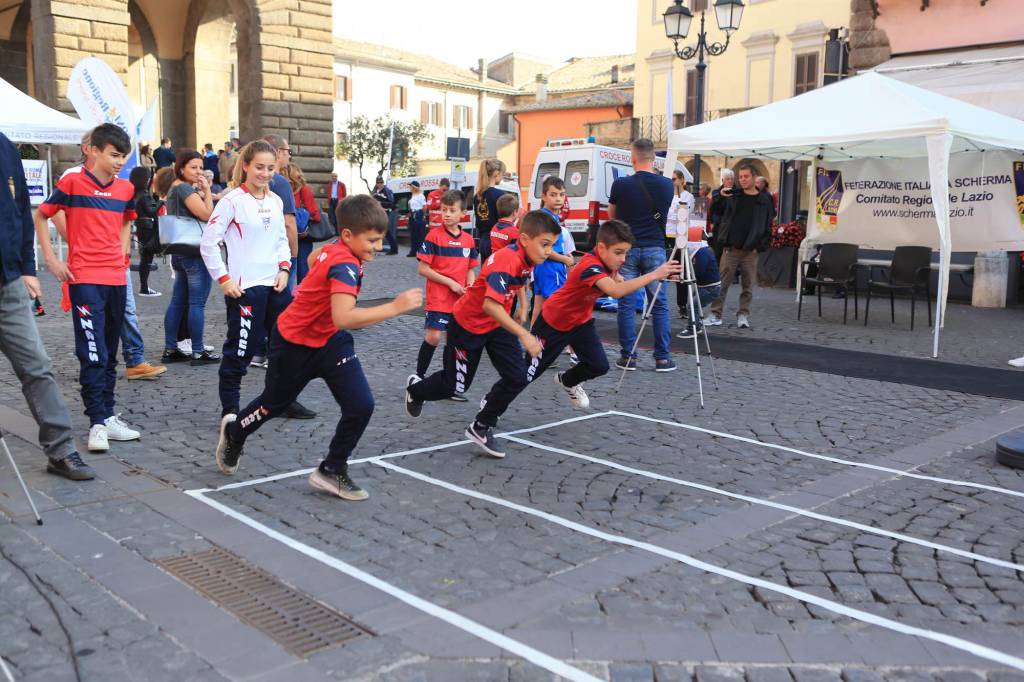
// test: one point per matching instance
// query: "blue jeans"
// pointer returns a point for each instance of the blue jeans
(641, 261)
(192, 284)
(392, 235)
(300, 265)
(131, 335)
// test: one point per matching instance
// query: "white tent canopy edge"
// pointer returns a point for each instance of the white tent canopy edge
(867, 116)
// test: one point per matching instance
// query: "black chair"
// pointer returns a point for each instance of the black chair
(837, 267)
(910, 271)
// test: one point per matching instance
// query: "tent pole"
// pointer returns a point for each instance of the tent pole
(812, 216)
(938, 175)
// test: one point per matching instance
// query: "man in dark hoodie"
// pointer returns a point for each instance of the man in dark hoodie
(745, 229)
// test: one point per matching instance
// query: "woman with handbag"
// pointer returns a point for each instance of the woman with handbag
(147, 208)
(189, 205)
(305, 200)
(255, 277)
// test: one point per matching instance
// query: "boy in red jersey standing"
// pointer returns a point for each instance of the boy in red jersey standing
(568, 316)
(434, 204)
(481, 321)
(98, 208)
(311, 341)
(505, 232)
(447, 258)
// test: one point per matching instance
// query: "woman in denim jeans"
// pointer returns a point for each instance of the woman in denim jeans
(190, 195)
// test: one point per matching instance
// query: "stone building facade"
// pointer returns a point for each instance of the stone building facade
(260, 65)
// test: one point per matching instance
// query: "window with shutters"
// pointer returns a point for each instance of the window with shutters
(806, 78)
(342, 89)
(462, 116)
(691, 97)
(506, 123)
(398, 97)
(431, 113)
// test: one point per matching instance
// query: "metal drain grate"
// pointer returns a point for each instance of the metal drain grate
(293, 620)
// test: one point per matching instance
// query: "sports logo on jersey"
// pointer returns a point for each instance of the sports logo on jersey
(245, 310)
(346, 273)
(83, 311)
(593, 271)
(466, 252)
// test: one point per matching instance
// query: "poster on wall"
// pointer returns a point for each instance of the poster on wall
(882, 204)
(36, 180)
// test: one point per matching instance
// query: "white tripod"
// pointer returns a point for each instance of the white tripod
(692, 298)
(10, 458)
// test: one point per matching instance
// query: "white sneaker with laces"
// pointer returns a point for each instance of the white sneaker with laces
(98, 438)
(118, 430)
(713, 320)
(576, 393)
(185, 346)
(742, 322)
(1017, 362)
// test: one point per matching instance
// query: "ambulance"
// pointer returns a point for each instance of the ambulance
(588, 169)
(402, 188)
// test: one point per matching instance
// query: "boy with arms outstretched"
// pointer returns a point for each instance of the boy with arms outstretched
(481, 320)
(568, 316)
(447, 258)
(310, 341)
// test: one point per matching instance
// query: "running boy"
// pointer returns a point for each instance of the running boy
(249, 220)
(98, 208)
(311, 341)
(447, 258)
(549, 276)
(480, 320)
(568, 317)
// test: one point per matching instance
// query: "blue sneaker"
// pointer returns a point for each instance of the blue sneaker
(668, 365)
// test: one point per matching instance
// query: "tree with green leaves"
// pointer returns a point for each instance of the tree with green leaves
(367, 142)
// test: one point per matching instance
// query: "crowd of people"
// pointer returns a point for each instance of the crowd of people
(289, 305)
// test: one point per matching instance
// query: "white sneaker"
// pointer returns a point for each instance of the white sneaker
(118, 430)
(713, 320)
(576, 393)
(98, 438)
(742, 322)
(1017, 362)
(185, 346)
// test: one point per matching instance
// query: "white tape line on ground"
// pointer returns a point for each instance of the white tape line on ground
(403, 453)
(835, 460)
(774, 505)
(528, 653)
(835, 607)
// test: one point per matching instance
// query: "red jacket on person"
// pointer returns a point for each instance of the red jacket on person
(304, 198)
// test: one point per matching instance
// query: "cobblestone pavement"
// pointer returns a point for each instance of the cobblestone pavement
(617, 613)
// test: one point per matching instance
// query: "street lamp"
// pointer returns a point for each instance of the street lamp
(678, 18)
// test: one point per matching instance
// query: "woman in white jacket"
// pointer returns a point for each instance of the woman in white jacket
(249, 221)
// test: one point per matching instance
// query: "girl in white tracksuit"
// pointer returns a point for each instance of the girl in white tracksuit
(249, 221)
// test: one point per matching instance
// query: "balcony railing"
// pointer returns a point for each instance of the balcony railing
(657, 127)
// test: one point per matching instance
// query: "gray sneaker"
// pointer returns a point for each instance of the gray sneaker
(337, 483)
(713, 320)
(742, 322)
(71, 467)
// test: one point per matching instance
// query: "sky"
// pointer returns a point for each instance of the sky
(551, 29)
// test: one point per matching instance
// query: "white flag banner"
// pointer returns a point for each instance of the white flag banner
(882, 203)
(99, 96)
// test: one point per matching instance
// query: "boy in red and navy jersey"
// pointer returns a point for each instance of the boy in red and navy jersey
(311, 341)
(434, 203)
(98, 209)
(568, 316)
(481, 321)
(447, 258)
(505, 232)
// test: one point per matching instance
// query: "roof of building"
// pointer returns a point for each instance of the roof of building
(601, 98)
(588, 73)
(422, 66)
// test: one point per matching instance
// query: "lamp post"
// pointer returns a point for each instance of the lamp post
(678, 18)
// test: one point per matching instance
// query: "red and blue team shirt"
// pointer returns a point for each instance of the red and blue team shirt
(95, 213)
(449, 255)
(573, 304)
(504, 233)
(504, 273)
(434, 208)
(307, 320)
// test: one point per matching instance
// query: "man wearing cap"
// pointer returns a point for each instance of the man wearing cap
(417, 219)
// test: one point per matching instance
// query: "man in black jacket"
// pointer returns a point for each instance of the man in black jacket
(19, 338)
(744, 230)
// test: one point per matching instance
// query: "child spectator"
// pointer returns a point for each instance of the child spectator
(98, 210)
(447, 258)
(481, 321)
(311, 341)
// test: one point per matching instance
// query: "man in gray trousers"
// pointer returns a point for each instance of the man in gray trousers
(19, 338)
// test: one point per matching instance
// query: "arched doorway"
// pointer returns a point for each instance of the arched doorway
(757, 164)
(214, 31)
(16, 46)
(706, 175)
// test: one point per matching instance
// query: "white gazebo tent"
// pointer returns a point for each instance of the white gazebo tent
(867, 116)
(27, 120)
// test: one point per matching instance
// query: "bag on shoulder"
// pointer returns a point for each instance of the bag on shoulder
(301, 219)
(322, 230)
(180, 235)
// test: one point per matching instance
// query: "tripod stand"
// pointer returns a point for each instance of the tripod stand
(693, 300)
(10, 458)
